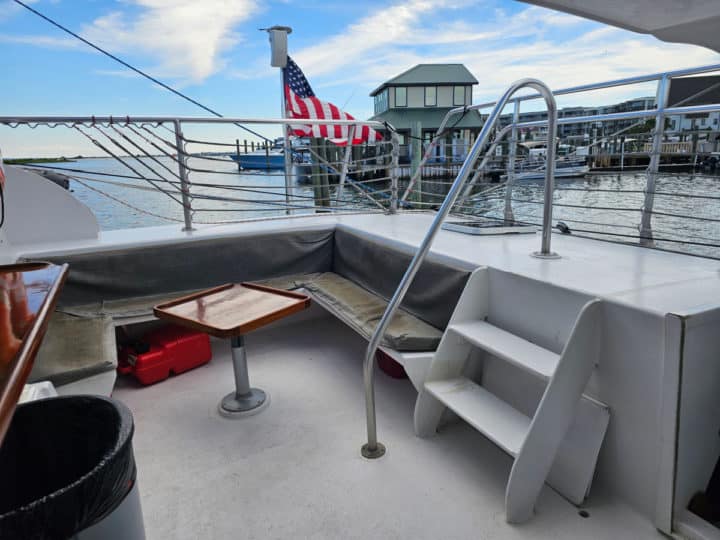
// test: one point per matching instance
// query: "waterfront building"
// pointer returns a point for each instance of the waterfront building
(416, 101)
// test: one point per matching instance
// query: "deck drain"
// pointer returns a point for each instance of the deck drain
(584, 514)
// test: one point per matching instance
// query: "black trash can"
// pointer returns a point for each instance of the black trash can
(67, 471)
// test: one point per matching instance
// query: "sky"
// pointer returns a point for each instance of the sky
(213, 51)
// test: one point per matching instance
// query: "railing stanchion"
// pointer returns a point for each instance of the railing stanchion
(345, 165)
(508, 213)
(394, 171)
(373, 448)
(545, 251)
(183, 173)
(646, 234)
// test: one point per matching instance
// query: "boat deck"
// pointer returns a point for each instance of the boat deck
(295, 470)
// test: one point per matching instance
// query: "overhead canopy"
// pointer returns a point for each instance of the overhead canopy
(687, 21)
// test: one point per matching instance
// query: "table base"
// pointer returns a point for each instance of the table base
(244, 401)
(235, 406)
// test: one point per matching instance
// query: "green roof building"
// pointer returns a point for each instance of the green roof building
(416, 101)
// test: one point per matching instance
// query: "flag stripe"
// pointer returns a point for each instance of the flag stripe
(301, 103)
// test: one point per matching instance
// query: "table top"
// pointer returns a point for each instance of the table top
(28, 295)
(233, 309)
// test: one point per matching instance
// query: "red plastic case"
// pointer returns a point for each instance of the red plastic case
(171, 349)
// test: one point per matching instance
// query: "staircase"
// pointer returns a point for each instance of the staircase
(534, 442)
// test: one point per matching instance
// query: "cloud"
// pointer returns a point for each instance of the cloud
(387, 27)
(186, 38)
(561, 50)
(41, 41)
(9, 9)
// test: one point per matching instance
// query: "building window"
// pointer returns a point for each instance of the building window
(430, 96)
(381, 102)
(401, 96)
(458, 95)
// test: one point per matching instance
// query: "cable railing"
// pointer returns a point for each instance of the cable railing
(654, 150)
(209, 181)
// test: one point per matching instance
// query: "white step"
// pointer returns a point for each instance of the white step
(505, 426)
(509, 347)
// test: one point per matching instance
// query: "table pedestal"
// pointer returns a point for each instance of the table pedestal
(244, 401)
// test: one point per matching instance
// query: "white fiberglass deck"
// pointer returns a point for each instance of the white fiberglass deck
(295, 471)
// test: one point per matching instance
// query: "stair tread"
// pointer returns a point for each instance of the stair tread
(497, 420)
(509, 347)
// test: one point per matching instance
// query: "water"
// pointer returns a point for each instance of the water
(609, 207)
(145, 207)
(601, 206)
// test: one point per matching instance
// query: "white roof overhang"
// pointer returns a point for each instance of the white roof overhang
(681, 21)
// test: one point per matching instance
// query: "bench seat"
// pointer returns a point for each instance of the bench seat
(362, 310)
(75, 348)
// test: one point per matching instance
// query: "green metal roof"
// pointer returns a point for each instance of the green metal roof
(430, 118)
(423, 74)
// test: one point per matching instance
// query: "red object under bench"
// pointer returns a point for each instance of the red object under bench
(171, 349)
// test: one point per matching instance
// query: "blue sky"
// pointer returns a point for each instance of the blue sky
(213, 51)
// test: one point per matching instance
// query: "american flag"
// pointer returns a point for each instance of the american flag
(300, 102)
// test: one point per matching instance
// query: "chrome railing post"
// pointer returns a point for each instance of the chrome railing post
(394, 171)
(374, 449)
(646, 234)
(183, 173)
(345, 165)
(512, 153)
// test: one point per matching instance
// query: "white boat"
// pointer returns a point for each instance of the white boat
(567, 384)
(564, 168)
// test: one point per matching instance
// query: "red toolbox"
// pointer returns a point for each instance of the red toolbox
(171, 349)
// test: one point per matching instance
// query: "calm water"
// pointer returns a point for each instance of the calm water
(149, 207)
(610, 203)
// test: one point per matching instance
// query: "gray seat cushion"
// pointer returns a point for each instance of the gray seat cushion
(362, 310)
(75, 348)
(290, 283)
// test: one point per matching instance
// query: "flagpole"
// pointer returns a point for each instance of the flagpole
(278, 47)
(288, 149)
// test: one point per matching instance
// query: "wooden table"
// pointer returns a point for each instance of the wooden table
(231, 311)
(28, 294)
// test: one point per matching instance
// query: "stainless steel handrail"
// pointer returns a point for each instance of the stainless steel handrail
(374, 449)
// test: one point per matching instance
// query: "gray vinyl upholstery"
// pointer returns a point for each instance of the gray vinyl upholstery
(350, 272)
(74, 348)
(362, 310)
(129, 273)
(378, 266)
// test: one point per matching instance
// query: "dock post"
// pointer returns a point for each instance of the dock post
(237, 152)
(646, 235)
(394, 171)
(316, 169)
(417, 151)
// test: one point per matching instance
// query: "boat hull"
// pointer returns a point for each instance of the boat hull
(259, 161)
(567, 172)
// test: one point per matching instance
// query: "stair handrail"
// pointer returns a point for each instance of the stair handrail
(374, 449)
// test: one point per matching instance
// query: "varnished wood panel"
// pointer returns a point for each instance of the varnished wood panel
(232, 309)
(28, 294)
